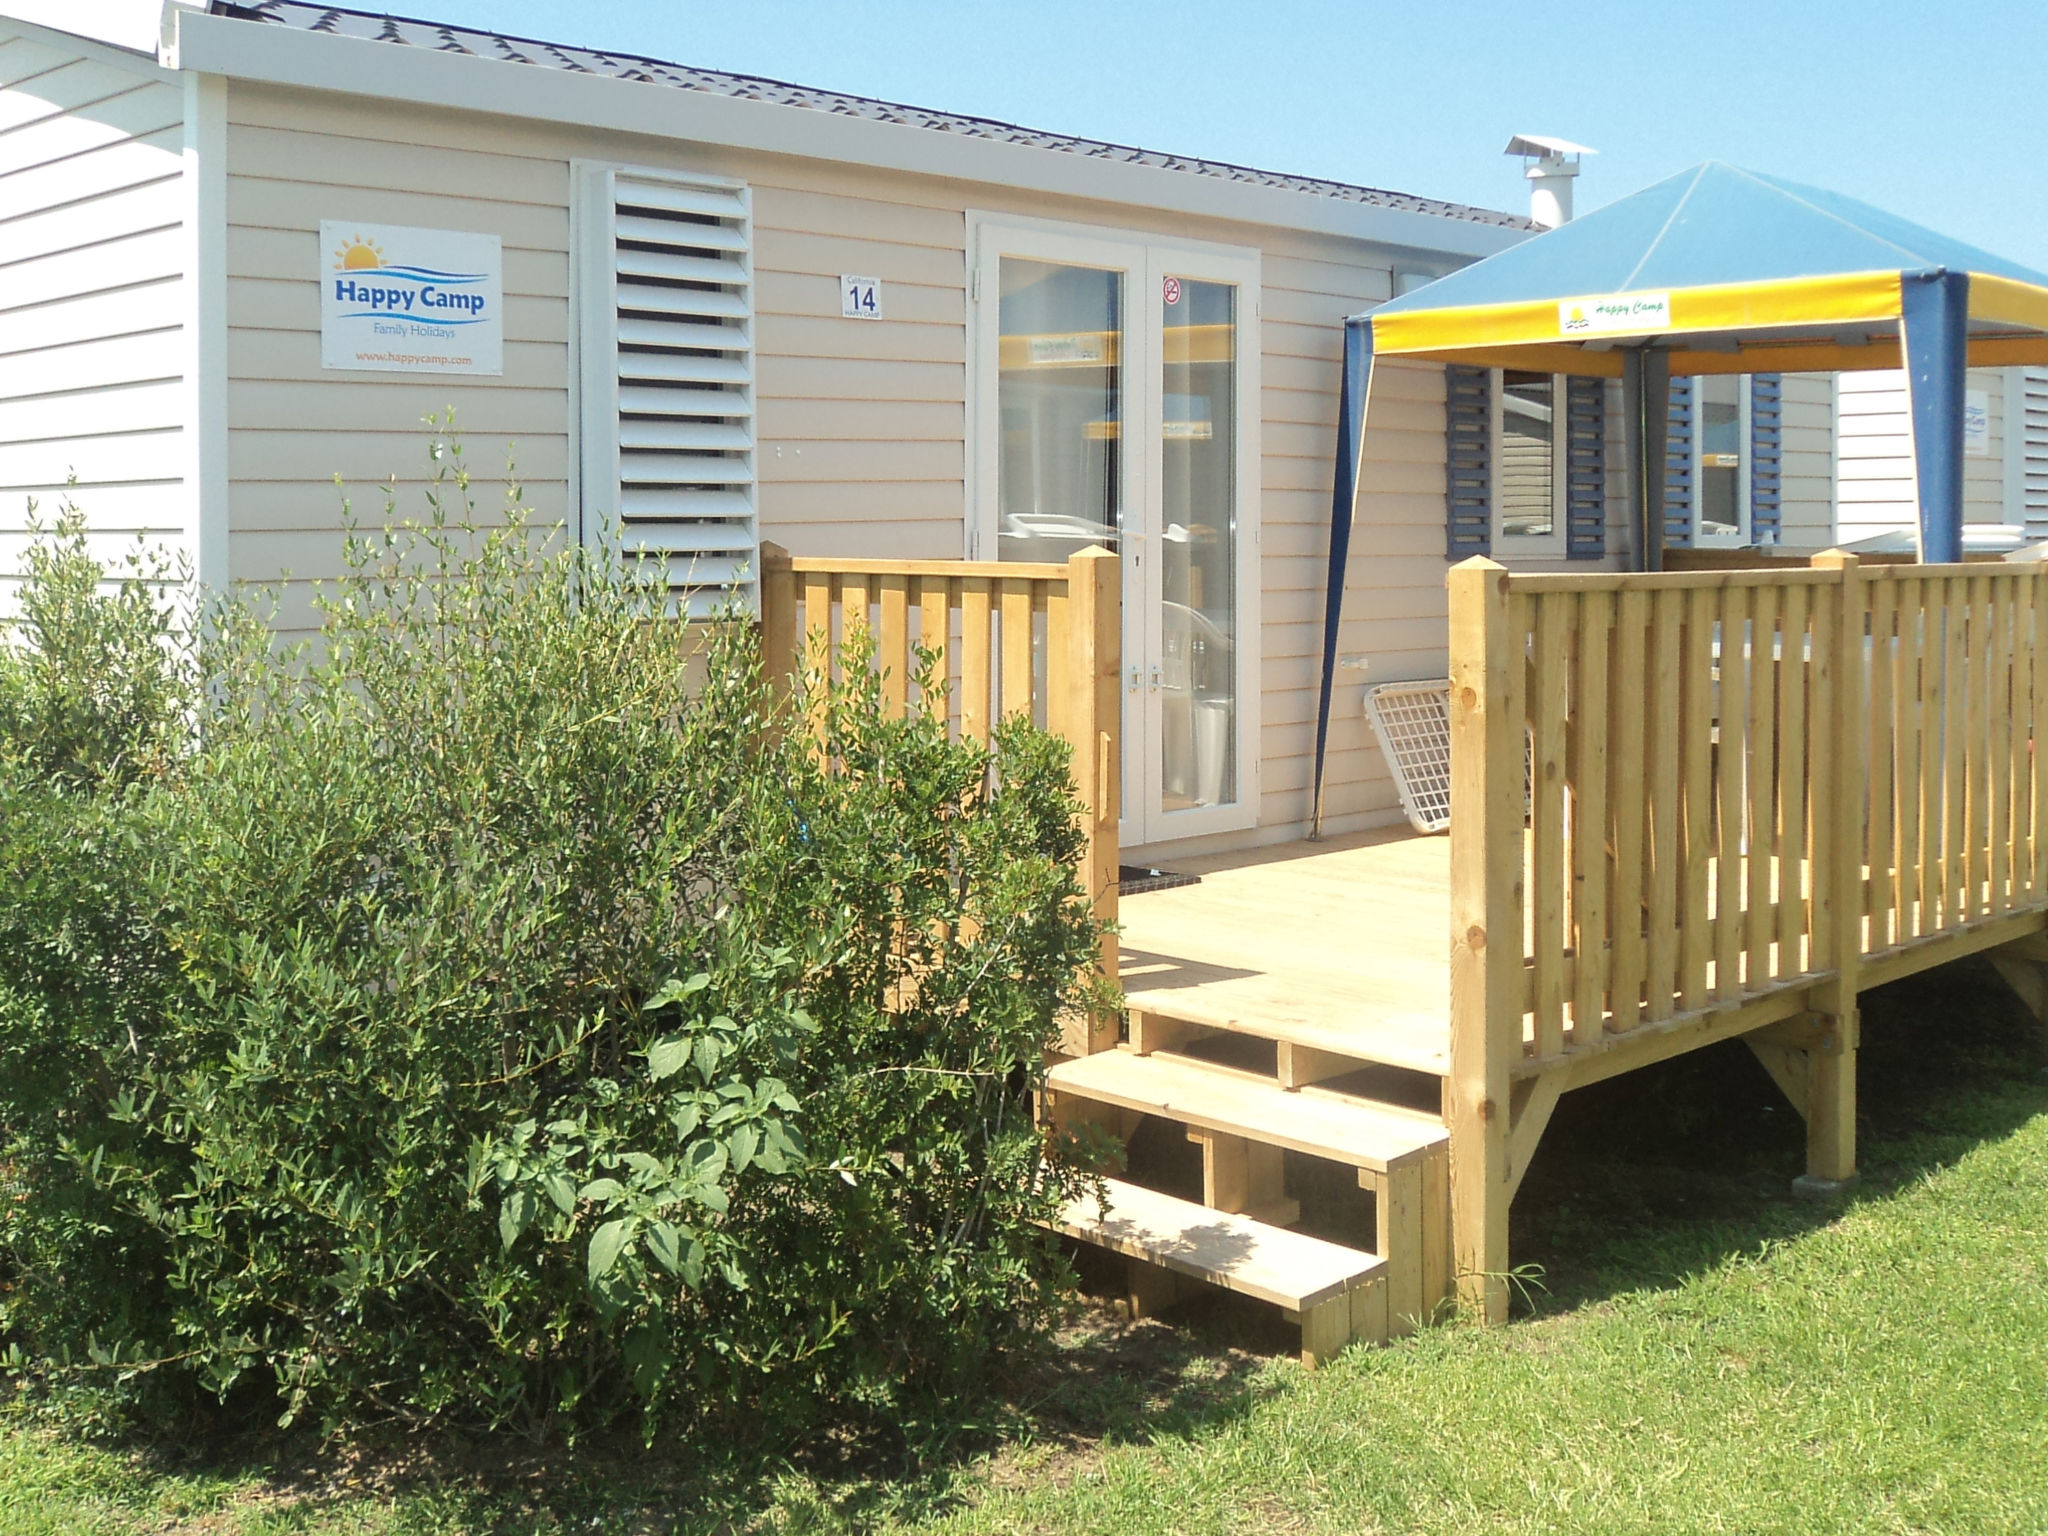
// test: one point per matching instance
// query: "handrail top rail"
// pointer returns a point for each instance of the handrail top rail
(1532, 582)
(1012, 570)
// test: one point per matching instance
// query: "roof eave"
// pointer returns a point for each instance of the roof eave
(245, 50)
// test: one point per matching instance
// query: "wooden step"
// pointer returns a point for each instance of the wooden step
(1351, 1131)
(1356, 1031)
(1338, 1294)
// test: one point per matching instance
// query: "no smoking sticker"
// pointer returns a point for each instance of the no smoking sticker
(1170, 291)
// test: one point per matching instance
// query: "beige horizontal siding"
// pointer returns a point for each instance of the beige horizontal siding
(92, 351)
(1807, 468)
(861, 425)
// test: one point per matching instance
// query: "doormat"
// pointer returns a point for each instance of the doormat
(1135, 880)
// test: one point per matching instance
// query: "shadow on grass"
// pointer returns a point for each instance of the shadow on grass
(1665, 1172)
(1097, 1383)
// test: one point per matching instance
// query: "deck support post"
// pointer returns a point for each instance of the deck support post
(778, 619)
(1090, 717)
(1487, 729)
(1838, 892)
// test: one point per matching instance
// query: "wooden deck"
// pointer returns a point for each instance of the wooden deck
(1692, 806)
(1340, 946)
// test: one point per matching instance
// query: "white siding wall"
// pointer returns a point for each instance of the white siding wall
(1877, 486)
(862, 425)
(1807, 510)
(92, 351)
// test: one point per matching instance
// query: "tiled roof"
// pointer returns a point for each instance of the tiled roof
(490, 45)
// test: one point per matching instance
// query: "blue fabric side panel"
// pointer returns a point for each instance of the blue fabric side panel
(1935, 315)
(1468, 462)
(1352, 390)
(1766, 457)
(1585, 469)
(1679, 461)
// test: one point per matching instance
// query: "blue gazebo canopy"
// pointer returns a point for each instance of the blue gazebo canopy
(1715, 270)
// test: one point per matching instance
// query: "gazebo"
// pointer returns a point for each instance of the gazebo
(1716, 270)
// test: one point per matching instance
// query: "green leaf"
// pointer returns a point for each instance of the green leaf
(707, 1051)
(607, 1243)
(562, 1190)
(674, 991)
(685, 1118)
(514, 1213)
(601, 1189)
(666, 1244)
(667, 1056)
(740, 1147)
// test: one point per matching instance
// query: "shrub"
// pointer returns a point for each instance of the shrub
(497, 1013)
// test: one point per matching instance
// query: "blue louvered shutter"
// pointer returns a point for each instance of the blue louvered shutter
(1766, 456)
(1681, 462)
(1468, 462)
(1585, 469)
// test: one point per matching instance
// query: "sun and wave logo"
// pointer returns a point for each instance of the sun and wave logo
(358, 254)
(405, 292)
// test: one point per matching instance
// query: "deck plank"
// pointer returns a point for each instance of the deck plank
(1341, 945)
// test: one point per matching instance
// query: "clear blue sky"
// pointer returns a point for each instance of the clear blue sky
(1918, 107)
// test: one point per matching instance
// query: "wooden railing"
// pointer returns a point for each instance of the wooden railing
(1008, 638)
(1747, 794)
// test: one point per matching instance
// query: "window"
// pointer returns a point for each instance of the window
(664, 282)
(1720, 404)
(1529, 456)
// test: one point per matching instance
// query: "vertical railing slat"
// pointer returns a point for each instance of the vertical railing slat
(1998, 866)
(1589, 818)
(1553, 613)
(1696, 729)
(1627, 804)
(1955, 688)
(935, 634)
(1763, 826)
(1731, 759)
(1794, 679)
(1976, 759)
(974, 658)
(892, 650)
(1667, 617)
(1016, 643)
(1822, 775)
(1881, 831)
(2037, 734)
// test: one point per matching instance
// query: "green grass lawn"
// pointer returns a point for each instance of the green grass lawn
(1703, 1354)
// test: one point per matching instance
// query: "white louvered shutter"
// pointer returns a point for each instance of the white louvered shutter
(680, 455)
(2031, 419)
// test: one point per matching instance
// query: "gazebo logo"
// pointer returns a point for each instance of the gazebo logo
(1617, 312)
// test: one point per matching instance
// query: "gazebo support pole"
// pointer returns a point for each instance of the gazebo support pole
(1354, 390)
(1934, 314)
(1646, 407)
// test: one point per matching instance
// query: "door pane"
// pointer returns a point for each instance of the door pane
(1198, 543)
(1059, 394)
(1720, 431)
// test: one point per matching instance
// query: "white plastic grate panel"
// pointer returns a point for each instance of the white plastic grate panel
(1413, 724)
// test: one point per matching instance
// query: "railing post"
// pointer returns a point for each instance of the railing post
(1486, 718)
(1092, 716)
(1838, 888)
(778, 619)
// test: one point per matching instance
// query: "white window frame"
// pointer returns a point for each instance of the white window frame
(1145, 257)
(1745, 471)
(1535, 546)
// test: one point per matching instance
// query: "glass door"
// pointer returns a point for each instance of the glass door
(1198, 518)
(1110, 408)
